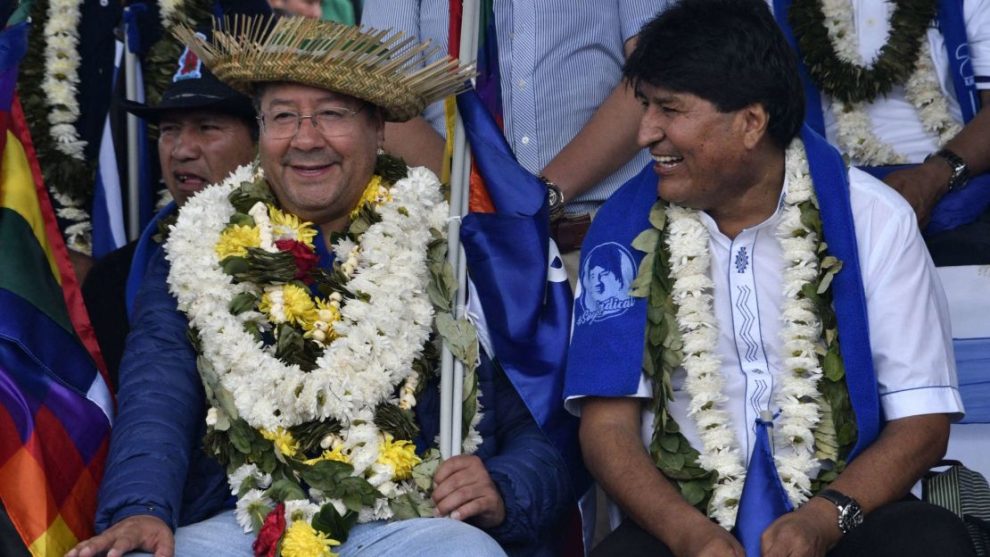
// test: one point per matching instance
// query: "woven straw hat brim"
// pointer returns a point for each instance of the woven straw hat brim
(398, 102)
(380, 67)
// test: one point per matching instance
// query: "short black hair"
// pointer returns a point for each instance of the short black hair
(728, 52)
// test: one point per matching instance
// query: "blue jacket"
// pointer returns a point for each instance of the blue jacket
(157, 465)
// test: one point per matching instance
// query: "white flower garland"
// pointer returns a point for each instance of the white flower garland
(379, 339)
(62, 75)
(855, 131)
(169, 11)
(690, 264)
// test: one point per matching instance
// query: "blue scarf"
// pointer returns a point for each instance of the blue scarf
(146, 248)
(612, 367)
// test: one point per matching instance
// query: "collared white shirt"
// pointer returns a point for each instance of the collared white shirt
(909, 328)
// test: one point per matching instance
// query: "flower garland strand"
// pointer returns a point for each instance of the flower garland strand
(331, 416)
(170, 12)
(798, 438)
(855, 130)
(61, 80)
(798, 395)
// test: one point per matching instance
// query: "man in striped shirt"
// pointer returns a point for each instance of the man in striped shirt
(568, 115)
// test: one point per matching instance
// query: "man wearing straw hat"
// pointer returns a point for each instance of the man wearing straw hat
(314, 288)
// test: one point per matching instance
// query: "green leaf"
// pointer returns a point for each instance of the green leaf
(461, 337)
(693, 491)
(241, 219)
(245, 301)
(670, 443)
(411, 504)
(359, 226)
(826, 282)
(658, 215)
(326, 475)
(673, 461)
(442, 286)
(285, 490)
(234, 265)
(331, 523)
(640, 287)
(241, 435)
(832, 366)
(423, 472)
(392, 419)
(646, 241)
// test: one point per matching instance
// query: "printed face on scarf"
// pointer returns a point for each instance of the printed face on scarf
(318, 173)
(200, 147)
(697, 150)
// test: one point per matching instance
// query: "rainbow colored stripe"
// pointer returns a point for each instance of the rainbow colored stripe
(55, 407)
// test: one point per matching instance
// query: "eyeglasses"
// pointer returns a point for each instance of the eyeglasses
(330, 122)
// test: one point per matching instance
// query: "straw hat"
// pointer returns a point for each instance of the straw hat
(380, 67)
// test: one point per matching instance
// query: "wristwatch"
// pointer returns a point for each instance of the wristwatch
(850, 513)
(960, 172)
(555, 198)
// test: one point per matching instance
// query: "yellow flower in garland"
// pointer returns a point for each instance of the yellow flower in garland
(374, 194)
(336, 454)
(327, 313)
(236, 239)
(302, 540)
(290, 303)
(289, 226)
(284, 443)
(400, 455)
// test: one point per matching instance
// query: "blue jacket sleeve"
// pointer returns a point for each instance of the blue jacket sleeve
(529, 472)
(160, 410)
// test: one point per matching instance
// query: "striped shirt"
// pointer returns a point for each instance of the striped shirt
(559, 59)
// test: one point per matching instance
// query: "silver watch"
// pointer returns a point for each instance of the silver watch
(850, 513)
(555, 199)
(960, 172)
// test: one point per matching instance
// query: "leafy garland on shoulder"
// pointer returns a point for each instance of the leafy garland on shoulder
(68, 176)
(713, 482)
(312, 395)
(849, 82)
(69, 179)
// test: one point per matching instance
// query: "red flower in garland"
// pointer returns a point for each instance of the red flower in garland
(304, 255)
(271, 531)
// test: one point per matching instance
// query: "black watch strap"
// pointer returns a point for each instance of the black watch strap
(850, 513)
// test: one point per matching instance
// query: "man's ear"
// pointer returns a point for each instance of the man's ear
(754, 120)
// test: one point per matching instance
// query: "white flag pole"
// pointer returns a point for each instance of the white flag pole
(452, 371)
(133, 181)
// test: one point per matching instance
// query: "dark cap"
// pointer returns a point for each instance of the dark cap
(193, 87)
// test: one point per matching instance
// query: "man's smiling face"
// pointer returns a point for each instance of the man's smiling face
(318, 174)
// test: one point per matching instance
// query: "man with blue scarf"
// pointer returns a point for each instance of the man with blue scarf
(717, 409)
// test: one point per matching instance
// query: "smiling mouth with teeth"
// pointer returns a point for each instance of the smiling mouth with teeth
(667, 160)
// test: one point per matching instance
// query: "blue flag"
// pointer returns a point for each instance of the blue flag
(520, 281)
(109, 213)
(763, 497)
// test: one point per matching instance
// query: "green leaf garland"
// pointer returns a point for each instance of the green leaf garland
(852, 83)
